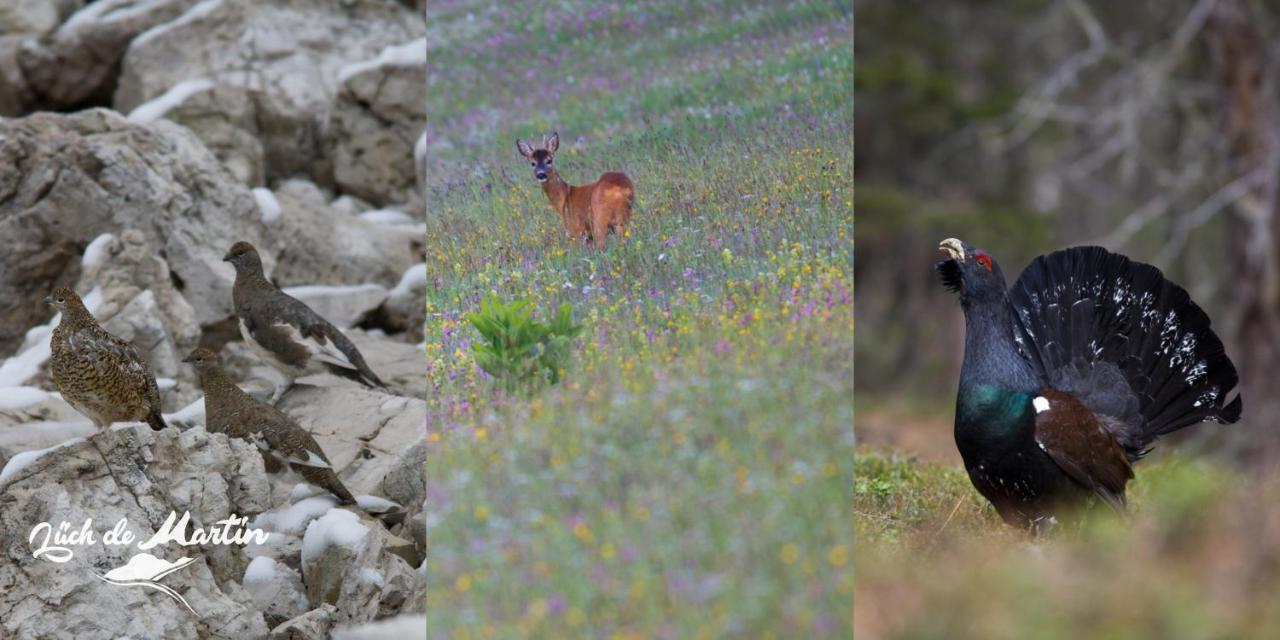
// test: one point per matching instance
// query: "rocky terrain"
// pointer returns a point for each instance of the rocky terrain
(138, 140)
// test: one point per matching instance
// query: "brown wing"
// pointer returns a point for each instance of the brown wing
(1077, 441)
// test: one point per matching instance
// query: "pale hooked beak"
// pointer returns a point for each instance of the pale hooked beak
(953, 248)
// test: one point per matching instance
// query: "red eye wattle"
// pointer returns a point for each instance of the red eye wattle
(983, 259)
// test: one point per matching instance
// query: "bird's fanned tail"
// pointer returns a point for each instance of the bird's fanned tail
(1129, 343)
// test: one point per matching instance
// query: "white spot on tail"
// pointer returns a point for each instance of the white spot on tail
(1041, 404)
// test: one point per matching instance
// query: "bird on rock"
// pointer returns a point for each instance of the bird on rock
(98, 374)
(287, 333)
(1071, 374)
(280, 440)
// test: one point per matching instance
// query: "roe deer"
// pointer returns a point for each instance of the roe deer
(590, 210)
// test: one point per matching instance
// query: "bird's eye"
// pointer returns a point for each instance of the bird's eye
(60, 300)
(983, 259)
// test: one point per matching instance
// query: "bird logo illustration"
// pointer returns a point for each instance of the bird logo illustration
(145, 570)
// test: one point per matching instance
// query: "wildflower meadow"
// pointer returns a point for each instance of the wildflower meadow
(690, 473)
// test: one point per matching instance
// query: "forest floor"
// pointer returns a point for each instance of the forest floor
(1198, 555)
(690, 475)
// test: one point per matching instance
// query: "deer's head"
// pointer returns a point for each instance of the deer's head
(542, 157)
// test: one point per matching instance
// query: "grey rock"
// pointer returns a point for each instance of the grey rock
(67, 179)
(288, 52)
(312, 625)
(279, 590)
(223, 117)
(325, 247)
(376, 119)
(80, 60)
(361, 430)
(135, 473)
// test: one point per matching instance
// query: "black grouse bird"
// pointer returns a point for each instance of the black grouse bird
(1070, 375)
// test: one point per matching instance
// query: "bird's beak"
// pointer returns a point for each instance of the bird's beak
(187, 359)
(226, 258)
(953, 248)
(48, 300)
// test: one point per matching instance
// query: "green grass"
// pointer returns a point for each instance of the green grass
(1197, 557)
(690, 475)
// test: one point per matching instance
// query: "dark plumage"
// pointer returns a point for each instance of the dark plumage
(286, 332)
(98, 374)
(1071, 374)
(281, 441)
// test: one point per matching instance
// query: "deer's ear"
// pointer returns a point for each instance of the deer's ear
(524, 148)
(554, 142)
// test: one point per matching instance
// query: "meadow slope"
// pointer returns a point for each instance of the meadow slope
(691, 475)
(1197, 557)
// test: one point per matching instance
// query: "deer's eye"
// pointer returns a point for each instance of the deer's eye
(533, 164)
(548, 160)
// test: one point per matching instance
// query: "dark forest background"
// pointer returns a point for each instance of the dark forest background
(1149, 127)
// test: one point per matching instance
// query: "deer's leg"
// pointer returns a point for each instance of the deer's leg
(600, 228)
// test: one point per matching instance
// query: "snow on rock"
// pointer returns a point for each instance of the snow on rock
(25, 459)
(96, 253)
(337, 527)
(277, 587)
(388, 216)
(17, 398)
(406, 627)
(296, 517)
(268, 206)
(260, 570)
(43, 434)
(153, 110)
(413, 279)
(413, 53)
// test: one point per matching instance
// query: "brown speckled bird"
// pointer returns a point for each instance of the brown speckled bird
(287, 333)
(98, 374)
(281, 441)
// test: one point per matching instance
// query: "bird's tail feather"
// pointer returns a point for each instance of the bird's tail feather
(1086, 315)
(156, 421)
(364, 375)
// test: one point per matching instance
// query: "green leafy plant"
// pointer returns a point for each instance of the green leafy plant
(518, 350)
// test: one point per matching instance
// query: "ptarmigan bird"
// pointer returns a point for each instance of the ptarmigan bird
(287, 333)
(98, 374)
(281, 441)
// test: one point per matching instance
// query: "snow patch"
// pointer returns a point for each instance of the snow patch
(338, 527)
(268, 206)
(295, 517)
(191, 413)
(96, 253)
(397, 627)
(388, 216)
(372, 576)
(414, 277)
(396, 55)
(25, 459)
(193, 14)
(161, 105)
(261, 570)
(18, 398)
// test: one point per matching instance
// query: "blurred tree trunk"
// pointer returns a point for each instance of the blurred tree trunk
(1249, 79)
